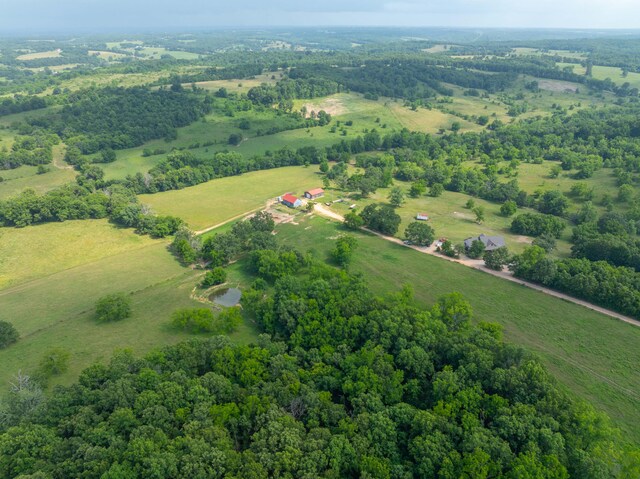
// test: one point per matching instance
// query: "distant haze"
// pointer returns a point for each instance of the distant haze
(32, 16)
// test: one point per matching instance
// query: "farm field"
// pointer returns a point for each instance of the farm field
(39, 55)
(88, 260)
(600, 72)
(41, 250)
(208, 204)
(238, 86)
(593, 355)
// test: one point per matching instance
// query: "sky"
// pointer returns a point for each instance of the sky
(132, 15)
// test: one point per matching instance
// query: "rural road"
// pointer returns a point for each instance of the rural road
(479, 265)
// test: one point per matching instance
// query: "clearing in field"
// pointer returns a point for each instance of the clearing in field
(593, 355)
(240, 86)
(40, 55)
(558, 85)
(106, 55)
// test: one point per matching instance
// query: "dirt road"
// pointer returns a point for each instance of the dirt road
(479, 265)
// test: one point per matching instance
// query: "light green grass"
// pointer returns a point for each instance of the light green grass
(600, 72)
(56, 309)
(219, 200)
(593, 355)
(39, 55)
(239, 86)
(41, 250)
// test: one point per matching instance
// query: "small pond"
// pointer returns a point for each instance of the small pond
(226, 297)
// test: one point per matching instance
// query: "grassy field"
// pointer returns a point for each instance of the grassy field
(343, 107)
(41, 250)
(39, 55)
(211, 203)
(239, 86)
(601, 73)
(593, 355)
(69, 266)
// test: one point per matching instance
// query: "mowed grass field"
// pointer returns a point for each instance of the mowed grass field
(593, 355)
(219, 200)
(42, 250)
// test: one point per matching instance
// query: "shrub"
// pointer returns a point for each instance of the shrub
(8, 334)
(54, 362)
(113, 307)
(214, 277)
(194, 320)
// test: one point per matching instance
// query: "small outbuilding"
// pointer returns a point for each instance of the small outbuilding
(291, 201)
(422, 217)
(490, 242)
(314, 193)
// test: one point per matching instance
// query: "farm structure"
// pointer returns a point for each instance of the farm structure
(422, 217)
(291, 201)
(490, 242)
(314, 193)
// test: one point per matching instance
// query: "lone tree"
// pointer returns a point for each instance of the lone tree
(497, 259)
(420, 234)
(479, 212)
(8, 334)
(353, 221)
(113, 307)
(508, 208)
(343, 252)
(396, 196)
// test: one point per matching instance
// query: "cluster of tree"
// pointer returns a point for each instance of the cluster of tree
(535, 224)
(88, 198)
(381, 217)
(34, 148)
(20, 103)
(291, 89)
(348, 385)
(218, 250)
(614, 287)
(231, 72)
(612, 239)
(118, 118)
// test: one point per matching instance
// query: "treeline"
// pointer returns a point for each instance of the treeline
(118, 118)
(32, 149)
(231, 72)
(89, 198)
(20, 103)
(347, 384)
(403, 78)
(182, 168)
(616, 288)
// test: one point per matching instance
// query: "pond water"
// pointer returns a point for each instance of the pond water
(226, 297)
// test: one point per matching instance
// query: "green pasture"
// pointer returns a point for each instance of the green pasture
(75, 264)
(593, 355)
(219, 200)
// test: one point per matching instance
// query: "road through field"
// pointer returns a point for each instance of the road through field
(479, 265)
